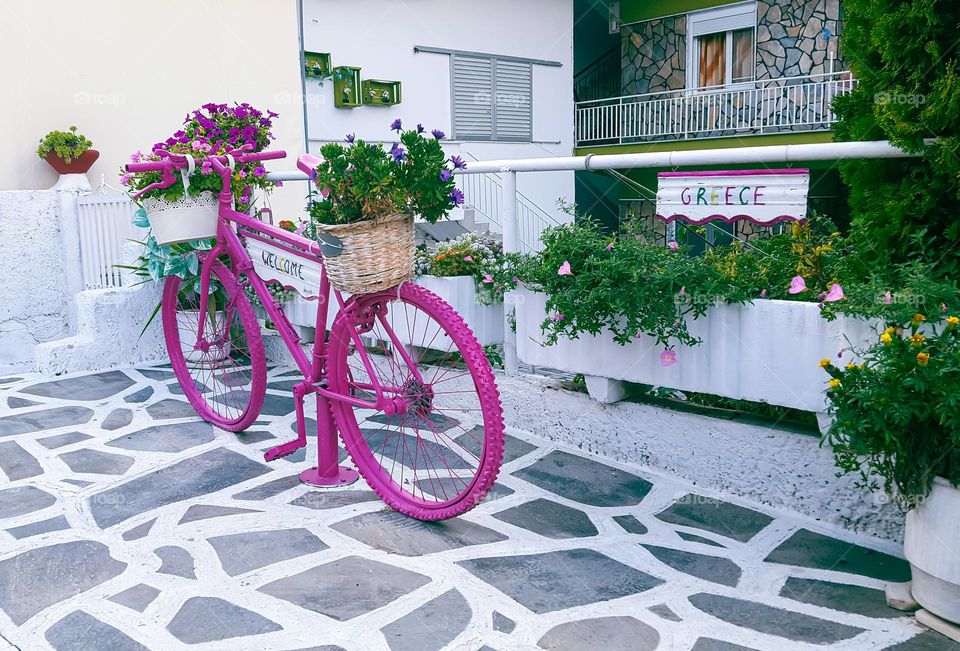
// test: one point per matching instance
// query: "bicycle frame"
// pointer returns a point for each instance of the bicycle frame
(232, 225)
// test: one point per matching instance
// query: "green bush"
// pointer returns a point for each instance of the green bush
(67, 145)
(906, 58)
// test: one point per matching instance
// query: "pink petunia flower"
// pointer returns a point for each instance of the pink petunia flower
(673, 246)
(564, 269)
(487, 278)
(668, 358)
(797, 285)
(468, 258)
(835, 294)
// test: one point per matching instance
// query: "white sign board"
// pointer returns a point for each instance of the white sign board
(290, 270)
(760, 196)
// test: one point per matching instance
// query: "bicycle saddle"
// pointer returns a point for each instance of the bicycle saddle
(307, 163)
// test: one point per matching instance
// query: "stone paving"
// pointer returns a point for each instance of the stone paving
(127, 523)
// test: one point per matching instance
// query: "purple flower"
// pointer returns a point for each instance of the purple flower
(445, 175)
(438, 134)
(456, 197)
(206, 167)
(668, 358)
(397, 152)
(259, 170)
(350, 138)
(419, 128)
(396, 125)
(458, 163)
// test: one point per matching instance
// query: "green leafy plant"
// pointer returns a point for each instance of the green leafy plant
(361, 181)
(67, 145)
(212, 130)
(897, 413)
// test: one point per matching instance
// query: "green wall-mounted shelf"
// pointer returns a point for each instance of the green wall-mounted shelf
(378, 92)
(317, 64)
(346, 87)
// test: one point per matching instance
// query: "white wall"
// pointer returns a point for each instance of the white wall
(126, 73)
(379, 36)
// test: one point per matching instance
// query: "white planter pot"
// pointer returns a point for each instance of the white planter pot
(183, 220)
(767, 351)
(932, 545)
(187, 327)
(460, 292)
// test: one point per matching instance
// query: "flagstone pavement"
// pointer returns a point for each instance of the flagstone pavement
(128, 523)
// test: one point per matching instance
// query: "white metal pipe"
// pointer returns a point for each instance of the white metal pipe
(511, 244)
(729, 155)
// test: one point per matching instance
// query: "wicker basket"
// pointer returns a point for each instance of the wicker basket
(377, 254)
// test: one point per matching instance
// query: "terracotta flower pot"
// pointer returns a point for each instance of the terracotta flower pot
(79, 165)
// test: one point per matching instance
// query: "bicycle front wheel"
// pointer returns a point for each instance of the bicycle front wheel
(440, 455)
(224, 374)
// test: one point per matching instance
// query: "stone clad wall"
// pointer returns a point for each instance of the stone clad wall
(790, 39)
(789, 44)
(654, 55)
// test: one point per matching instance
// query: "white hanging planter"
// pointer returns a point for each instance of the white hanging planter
(931, 544)
(183, 220)
(187, 328)
(767, 351)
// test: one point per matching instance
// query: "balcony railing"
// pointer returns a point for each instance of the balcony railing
(787, 104)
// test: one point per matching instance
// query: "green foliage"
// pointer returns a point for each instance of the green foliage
(361, 181)
(67, 145)
(905, 56)
(897, 414)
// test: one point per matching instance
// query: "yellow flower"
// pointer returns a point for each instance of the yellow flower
(916, 339)
(952, 321)
(890, 330)
(918, 318)
(834, 383)
(922, 358)
(851, 366)
(886, 339)
(825, 362)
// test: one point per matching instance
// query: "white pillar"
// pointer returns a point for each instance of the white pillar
(511, 244)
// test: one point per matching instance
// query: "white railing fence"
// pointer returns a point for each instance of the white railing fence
(484, 193)
(105, 227)
(767, 106)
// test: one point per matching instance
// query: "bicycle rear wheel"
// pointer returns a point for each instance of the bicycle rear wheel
(224, 375)
(439, 457)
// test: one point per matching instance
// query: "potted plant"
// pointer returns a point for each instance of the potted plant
(897, 425)
(471, 273)
(368, 198)
(187, 210)
(68, 152)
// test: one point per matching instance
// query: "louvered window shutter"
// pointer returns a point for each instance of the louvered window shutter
(472, 98)
(513, 117)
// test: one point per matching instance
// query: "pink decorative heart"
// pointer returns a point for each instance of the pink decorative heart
(797, 285)
(564, 269)
(835, 294)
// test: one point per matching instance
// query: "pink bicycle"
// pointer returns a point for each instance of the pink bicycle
(400, 375)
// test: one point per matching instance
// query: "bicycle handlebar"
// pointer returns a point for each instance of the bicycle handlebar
(177, 161)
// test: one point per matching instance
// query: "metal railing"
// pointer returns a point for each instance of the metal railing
(105, 226)
(484, 194)
(769, 106)
(599, 79)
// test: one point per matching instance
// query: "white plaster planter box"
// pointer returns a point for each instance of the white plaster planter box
(767, 351)
(460, 292)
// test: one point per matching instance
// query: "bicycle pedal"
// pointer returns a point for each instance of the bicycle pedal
(283, 450)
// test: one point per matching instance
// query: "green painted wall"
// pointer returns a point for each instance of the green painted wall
(632, 11)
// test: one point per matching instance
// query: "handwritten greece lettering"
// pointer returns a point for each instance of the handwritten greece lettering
(717, 195)
(283, 265)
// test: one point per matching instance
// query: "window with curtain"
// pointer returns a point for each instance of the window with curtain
(722, 45)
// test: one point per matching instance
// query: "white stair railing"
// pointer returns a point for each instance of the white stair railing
(105, 227)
